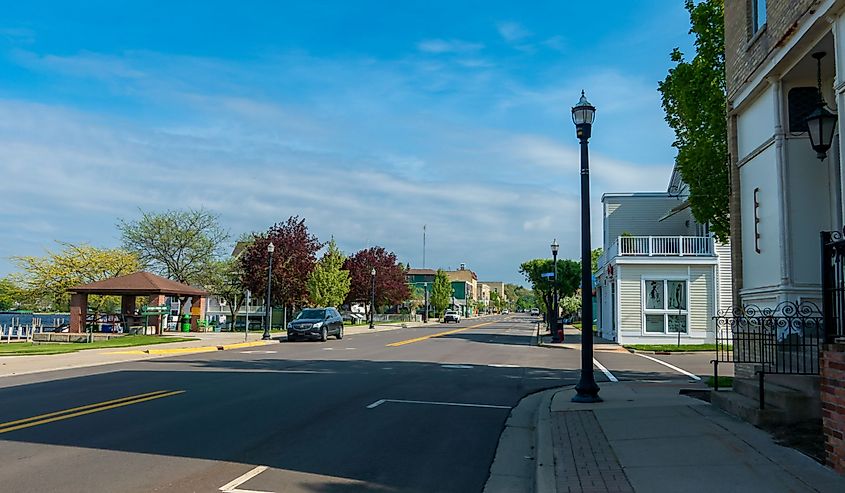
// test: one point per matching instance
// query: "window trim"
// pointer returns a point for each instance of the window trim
(754, 17)
(665, 312)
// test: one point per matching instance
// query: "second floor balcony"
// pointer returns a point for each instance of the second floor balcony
(659, 246)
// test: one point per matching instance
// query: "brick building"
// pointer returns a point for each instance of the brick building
(782, 194)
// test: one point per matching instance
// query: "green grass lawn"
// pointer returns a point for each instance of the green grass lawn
(29, 348)
(577, 325)
(724, 382)
(671, 347)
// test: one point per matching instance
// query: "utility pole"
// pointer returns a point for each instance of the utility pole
(424, 246)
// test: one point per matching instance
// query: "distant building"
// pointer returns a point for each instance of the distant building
(420, 276)
(497, 287)
(483, 295)
(464, 289)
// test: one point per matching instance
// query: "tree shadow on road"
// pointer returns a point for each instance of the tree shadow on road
(312, 416)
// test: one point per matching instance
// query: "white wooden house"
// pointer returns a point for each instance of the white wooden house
(662, 276)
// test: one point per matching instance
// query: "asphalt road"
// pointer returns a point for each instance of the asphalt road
(381, 412)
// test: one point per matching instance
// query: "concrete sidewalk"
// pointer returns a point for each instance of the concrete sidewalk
(572, 340)
(646, 437)
(205, 342)
(23, 365)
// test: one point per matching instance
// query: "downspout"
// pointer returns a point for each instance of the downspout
(735, 207)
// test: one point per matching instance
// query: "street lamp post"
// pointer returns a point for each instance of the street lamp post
(373, 298)
(587, 390)
(425, 317)
(270, 249)
(554, 321)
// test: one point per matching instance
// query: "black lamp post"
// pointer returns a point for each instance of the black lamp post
(270, 249)
(555, 315)
(425, 316)
(587, 390)
(821, 123)
(373, 298)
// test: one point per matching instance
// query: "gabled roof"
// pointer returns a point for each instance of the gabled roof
(421, 272)
(139, 283)
(674, 210)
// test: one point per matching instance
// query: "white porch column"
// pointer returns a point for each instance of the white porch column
(838, 30)
(783, 203)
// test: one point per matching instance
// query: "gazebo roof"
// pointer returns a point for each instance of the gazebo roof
(139, 283)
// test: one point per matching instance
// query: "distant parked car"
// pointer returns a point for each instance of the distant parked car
(316, 323)
(505, 312)
(451, 316)
(535, 312)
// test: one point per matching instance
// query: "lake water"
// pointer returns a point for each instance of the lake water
(45, 319)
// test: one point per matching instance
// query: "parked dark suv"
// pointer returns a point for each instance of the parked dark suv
(316, 323)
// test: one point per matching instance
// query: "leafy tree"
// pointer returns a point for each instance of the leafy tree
(47, 279)
(11, 295)
(226, 281)
(294, 258)
(594, 258)
(329, 284)
(511, 292)
(177, 244)
(526, 301)
(571, 304)
(416, 300)
(391, 287)
(568, 279)
(695, 102)
(441, 292)
(497, 301)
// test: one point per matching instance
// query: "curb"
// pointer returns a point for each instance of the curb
(192, 350)
(544, 478)
(667, 353)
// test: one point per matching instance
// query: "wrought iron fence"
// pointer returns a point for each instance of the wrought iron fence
(833, 283)
(784, 339)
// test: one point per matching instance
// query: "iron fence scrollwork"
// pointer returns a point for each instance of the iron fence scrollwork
(833, 284)
(784, 339)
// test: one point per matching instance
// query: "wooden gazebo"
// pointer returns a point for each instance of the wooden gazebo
(129, 288)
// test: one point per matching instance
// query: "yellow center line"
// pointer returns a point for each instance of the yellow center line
(82, 410)
(418, 339)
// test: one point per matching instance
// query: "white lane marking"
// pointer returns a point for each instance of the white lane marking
(604, 370)
(679, 370)
(505, 366)
(231, 486)
(376, 404)
(258, 352)
(338, 348)
(436, 403)
(304, 371)
(459, 367)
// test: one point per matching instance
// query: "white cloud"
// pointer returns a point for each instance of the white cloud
(457, 46)
(85, 64)
(366, 150)
(512, 31)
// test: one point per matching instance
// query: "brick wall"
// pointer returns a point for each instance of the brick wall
(833, 404)
(743, 52)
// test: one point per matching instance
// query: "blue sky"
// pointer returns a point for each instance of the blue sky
(368, 118)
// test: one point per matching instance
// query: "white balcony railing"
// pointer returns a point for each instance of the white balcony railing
(680, 246)
(658, 246)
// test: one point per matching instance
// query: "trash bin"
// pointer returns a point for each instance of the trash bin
(186, 322)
